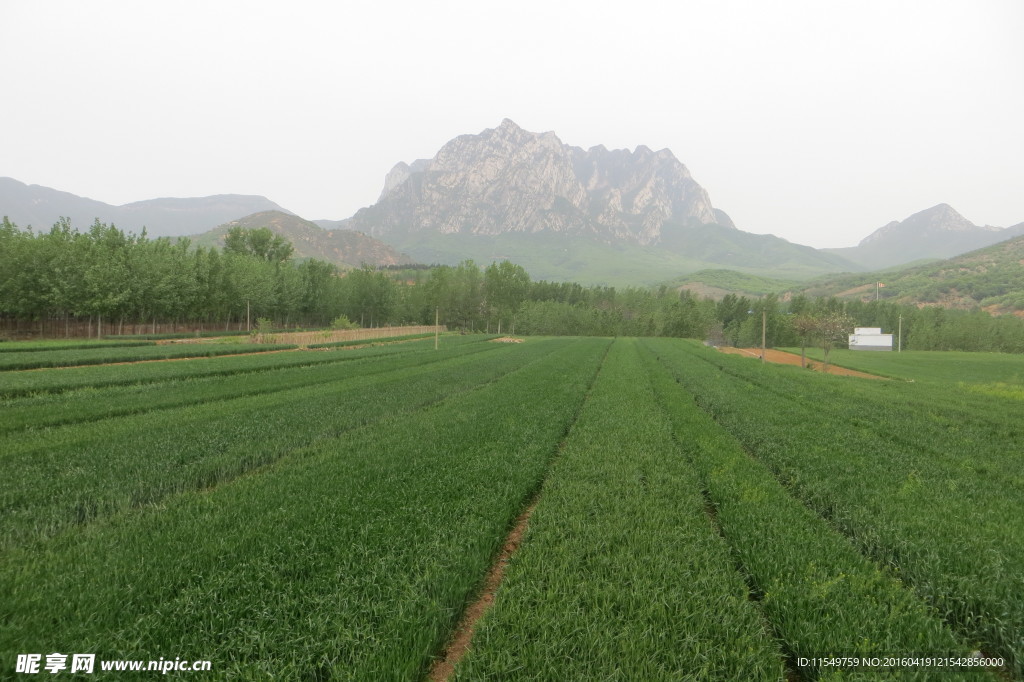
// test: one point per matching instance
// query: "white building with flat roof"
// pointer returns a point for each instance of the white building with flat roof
(870, 338)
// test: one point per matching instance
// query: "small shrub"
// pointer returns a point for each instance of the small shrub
(342, 322)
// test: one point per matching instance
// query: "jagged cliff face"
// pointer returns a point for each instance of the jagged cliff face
(508, 180)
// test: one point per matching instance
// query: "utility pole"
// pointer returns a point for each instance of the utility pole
(764, 329)
(899, 337)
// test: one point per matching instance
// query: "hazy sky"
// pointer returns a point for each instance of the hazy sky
(815, 121)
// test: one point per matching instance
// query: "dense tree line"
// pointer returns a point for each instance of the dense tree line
(502, 297)
(923, 328)
(113, 277)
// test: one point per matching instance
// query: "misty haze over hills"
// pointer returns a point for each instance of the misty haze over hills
(41, 207)
(345, 248)
(937, 232)
(564, 213)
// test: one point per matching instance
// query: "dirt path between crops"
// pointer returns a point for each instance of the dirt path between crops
(780, 357)
(443, 668)
(369, 342)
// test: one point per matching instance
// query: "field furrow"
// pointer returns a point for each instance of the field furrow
(349, 560)
(334, 515)
(119, 354)
(620, 574)
(91, 404)
(932, 515)
(18, 384)
(71, 475)
(823, 598)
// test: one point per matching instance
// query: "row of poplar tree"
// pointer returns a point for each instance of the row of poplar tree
(116, 277)
(107, 274)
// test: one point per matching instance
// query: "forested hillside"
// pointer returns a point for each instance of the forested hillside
(990, 278)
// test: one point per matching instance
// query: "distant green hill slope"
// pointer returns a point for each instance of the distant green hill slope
(718, 283)
(991, 278)
(593, 261)
(594, 216)
(345, 248)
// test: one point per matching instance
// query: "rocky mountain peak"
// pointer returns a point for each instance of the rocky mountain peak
(941, 218)
(395, 177)
(507, 179)
(936, 232)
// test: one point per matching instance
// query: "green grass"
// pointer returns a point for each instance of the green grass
(209, 334)
(17, 384)
(98, 356)
(330, 514)
(820, 594)
(924, 479)
(947, 367)
(70, 475)
(349, 559)
(93, 403)
(64, 344)
(621, 575)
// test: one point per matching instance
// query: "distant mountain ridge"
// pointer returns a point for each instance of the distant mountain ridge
(936, 232)
(507, 179)
(595, 216)
(991, 278)
(41, 207)
(344, 248)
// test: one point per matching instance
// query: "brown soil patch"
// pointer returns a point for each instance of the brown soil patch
(303, 339)
(506, 339)
(783, 358)
(443, 668)
(856, 291)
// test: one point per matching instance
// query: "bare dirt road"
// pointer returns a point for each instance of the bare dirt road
(784, 358)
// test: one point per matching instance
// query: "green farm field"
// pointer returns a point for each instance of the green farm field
(684, 514)
(948, 367)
